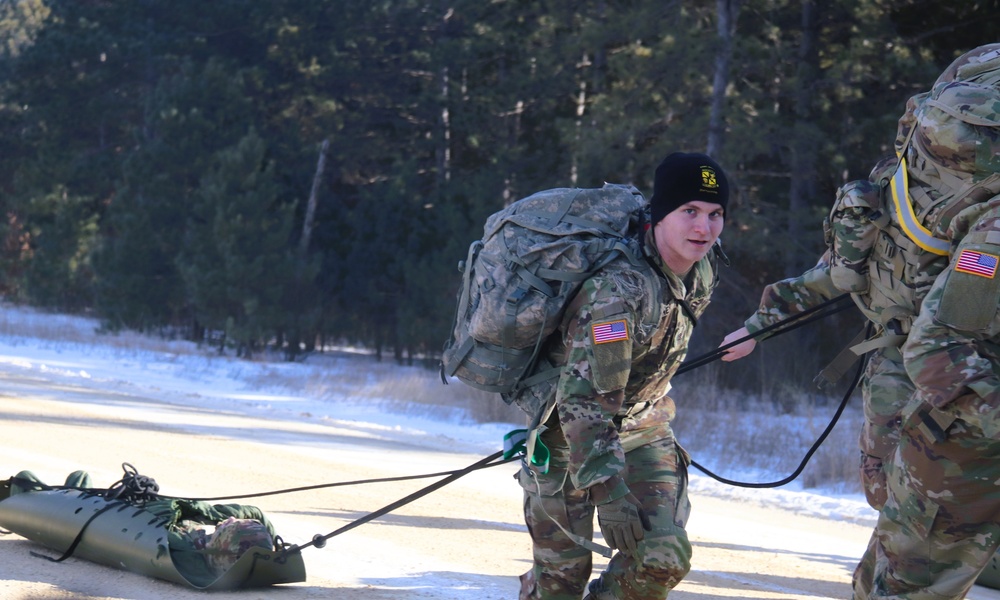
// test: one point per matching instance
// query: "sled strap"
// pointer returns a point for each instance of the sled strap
(79, 536)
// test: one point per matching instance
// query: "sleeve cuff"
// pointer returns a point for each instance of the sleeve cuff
(753, 324)
(610, 489)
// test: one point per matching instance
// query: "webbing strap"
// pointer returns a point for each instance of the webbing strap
(460, 312)
(961, 115)
(885, 341)
(571, 219)
(540, 376)
(563, 209)
(588, 224)
(460, 354)
(510, 315)
(467, 270)
(608, 249)
(79, 536)
(840, 364)
(538, 283)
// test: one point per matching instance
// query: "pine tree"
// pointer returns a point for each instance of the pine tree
(237, 261)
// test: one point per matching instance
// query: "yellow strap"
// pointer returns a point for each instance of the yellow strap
(908, 221)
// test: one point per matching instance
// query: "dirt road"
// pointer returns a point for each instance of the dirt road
(464, 541)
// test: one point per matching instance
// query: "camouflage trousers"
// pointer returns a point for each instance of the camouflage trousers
(874, 480)
(885, 389)
(657, 475)
(941, 522)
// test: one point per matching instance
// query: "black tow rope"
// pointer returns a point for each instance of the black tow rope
(812, 450)
(320, 540)
(139, 488)
(348, 483)
(793, 322)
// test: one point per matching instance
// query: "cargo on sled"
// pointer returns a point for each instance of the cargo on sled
(191, 543)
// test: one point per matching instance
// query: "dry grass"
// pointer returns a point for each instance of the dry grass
(747, 445)
(411, 390)
(20, 322)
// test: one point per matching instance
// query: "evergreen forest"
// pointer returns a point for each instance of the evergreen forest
(287, 174)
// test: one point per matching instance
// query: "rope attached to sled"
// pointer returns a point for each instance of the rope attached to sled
(136, 489)
(133, 487)
(497, 458)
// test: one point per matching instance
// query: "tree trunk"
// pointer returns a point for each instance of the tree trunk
(309, 221)
(728, 11)
(444, 150)
(804, 144)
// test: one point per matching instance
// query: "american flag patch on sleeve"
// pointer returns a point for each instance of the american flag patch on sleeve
(977, 263)
(613, 331)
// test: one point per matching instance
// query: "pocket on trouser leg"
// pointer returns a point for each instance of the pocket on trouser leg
(549, 507)
(939, 526)
(873, 481)
(904, 559)
(546, 484)
(657, 475)
(561, 567)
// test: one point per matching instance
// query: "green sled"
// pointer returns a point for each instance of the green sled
(129, 537)
(990, 577)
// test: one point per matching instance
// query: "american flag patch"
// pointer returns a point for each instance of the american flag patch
(615, 331)
(977, 263)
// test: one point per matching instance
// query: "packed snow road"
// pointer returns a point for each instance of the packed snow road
(464, 541)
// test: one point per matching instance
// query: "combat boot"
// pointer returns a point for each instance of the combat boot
(597, 591)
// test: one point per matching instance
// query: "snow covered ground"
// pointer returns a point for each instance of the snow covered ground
(67, 347)
(314, 420)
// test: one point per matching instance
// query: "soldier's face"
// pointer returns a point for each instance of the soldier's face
(686, 235)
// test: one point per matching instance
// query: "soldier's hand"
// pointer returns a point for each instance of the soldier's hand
(623, 523)
(739, 350)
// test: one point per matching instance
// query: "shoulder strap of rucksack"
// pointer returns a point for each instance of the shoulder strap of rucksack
(908, 221)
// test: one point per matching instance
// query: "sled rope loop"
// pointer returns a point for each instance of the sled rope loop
(133, 487)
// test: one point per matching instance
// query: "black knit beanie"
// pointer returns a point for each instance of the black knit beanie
(683, 177)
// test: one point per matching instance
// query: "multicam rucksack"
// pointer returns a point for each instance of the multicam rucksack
(518, 279)
(891, 235)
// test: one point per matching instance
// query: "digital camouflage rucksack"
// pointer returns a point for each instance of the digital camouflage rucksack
(518, 279)
(891, 235)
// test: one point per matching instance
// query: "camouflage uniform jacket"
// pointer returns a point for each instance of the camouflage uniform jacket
(612, 392)
(953, 351)
(794, 295)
